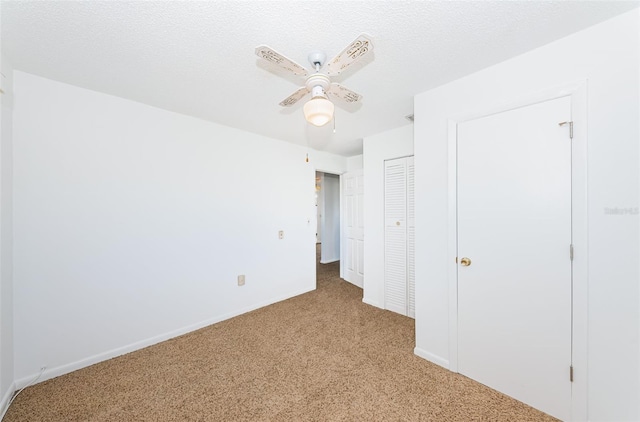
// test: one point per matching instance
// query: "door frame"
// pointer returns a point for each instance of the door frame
(578, 92)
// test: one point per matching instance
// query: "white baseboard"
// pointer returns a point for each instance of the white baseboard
(349, 281)
(371, 302)
(356, 284)
(100, 357)
(6, 398)
(431, 357)
(329, 261)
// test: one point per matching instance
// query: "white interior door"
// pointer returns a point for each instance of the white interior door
(353, 195)
(514, 224)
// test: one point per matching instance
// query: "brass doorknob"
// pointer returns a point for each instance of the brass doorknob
(465, 262)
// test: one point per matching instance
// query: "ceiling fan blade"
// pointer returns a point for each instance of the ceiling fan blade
(354, 52)
(274, 57)
(295, 97)
(343, 93)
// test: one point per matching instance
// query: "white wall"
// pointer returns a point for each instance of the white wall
(608, 55)
(327, 163)
(6, 239)
(132, 223)
(388, 145)
(330, 248)
(355, 163)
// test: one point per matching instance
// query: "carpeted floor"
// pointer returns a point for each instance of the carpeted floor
(321, 356)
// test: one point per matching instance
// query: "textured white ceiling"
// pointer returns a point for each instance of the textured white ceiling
(197, 58)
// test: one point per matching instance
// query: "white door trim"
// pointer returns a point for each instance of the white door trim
(578, 92)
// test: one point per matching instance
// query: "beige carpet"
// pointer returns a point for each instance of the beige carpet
(321, 356)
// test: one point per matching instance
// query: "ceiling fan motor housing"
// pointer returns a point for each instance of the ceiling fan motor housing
(318, 84)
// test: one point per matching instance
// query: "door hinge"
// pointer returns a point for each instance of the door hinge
(570, 127)
(571, 373)
(571, 252)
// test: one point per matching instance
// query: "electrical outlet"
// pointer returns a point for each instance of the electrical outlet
(281, 234)
(241, 280)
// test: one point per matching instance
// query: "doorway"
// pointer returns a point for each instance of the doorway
(328, 216)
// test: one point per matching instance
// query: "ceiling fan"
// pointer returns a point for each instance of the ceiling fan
(319, 110)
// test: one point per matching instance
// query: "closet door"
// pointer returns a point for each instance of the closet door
(411, 240)
(395, 236)
(515, 230)
(399, 241)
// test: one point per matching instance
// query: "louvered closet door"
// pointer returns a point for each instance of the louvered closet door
(399, 241)
(411, 239)
(395, 241)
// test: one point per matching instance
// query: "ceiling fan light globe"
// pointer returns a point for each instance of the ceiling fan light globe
(318, 111)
